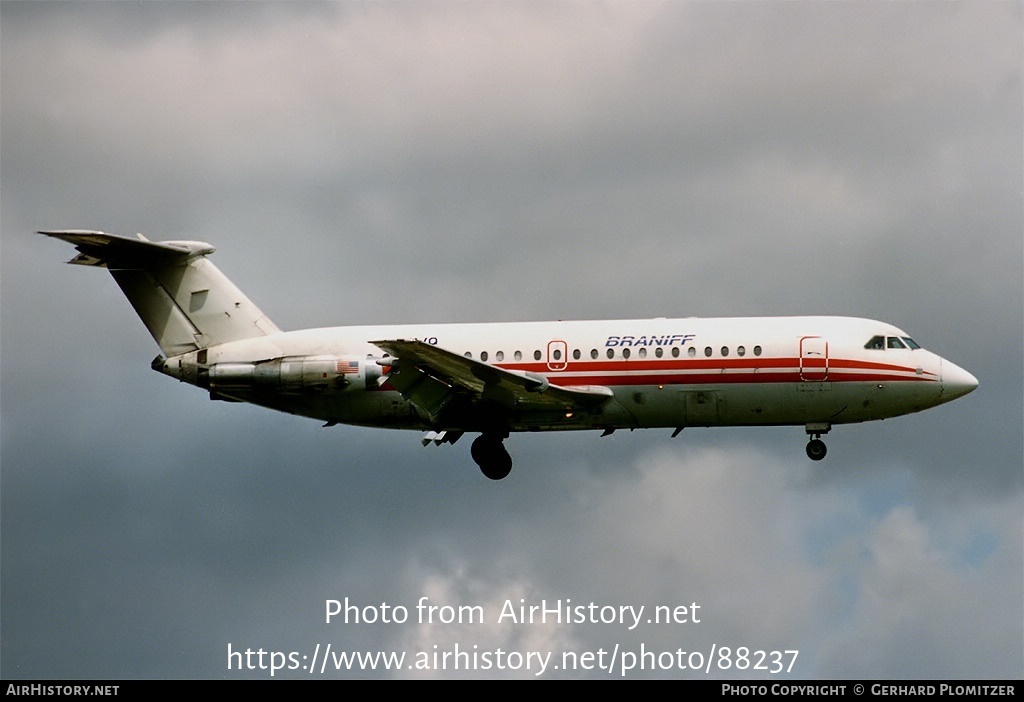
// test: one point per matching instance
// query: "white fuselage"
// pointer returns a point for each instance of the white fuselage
(449, 379)
(813, 371)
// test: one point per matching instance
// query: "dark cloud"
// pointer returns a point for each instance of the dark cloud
(377, 163)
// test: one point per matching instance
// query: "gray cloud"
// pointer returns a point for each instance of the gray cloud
(359, 163)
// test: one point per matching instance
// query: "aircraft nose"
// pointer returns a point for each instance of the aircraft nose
(956, 382)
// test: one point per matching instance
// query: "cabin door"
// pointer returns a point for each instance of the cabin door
(813, 359)
(558, 355)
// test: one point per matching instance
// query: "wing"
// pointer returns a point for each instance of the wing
(436, 380)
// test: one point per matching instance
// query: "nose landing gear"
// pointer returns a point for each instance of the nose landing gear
(816, 448)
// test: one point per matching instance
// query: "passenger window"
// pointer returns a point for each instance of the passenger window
(576, 354)
(642, 353)
(658, 352)
(708, 351)
(557, 354)
(691, 352)
(593, 353)
(483, 355)
(740, 351)
(536, 355)
(876, 342)
(518, 355)
(625, 353)
(725, 350)
(895, 343)
(499, 356)
(757, 350)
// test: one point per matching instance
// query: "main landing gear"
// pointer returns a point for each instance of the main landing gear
(816, 448)
(488, 450)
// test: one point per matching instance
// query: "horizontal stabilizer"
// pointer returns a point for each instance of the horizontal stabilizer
(113, 251)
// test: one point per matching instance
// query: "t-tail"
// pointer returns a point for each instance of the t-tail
(183, 299)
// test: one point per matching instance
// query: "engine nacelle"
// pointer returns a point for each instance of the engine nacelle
(289, 374)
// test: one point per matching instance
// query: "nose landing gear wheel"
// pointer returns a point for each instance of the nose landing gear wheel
(489, 453)
(816, 449)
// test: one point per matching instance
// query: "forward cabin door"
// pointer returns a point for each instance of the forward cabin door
(813, 359)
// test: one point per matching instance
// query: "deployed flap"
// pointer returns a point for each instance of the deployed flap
(435, 369)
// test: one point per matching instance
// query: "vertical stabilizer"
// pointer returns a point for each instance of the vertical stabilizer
(183, 299)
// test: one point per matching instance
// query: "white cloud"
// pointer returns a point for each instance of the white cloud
(472, 161)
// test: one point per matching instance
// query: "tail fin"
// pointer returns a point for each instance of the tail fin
(183, 299)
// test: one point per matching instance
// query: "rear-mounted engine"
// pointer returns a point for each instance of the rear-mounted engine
(291, 374)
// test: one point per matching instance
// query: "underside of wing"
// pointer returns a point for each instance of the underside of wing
(455, 390)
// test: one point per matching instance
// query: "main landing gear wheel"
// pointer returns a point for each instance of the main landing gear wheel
(489, 453)
(816, 449)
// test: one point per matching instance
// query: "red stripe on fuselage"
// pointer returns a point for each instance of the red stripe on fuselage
(730, 379)
(693, 371)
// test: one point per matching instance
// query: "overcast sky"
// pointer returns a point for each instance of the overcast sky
(432, 162)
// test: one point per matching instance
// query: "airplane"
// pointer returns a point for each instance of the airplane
(447, 380)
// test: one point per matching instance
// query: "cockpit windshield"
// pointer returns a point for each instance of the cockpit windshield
(891, 342)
